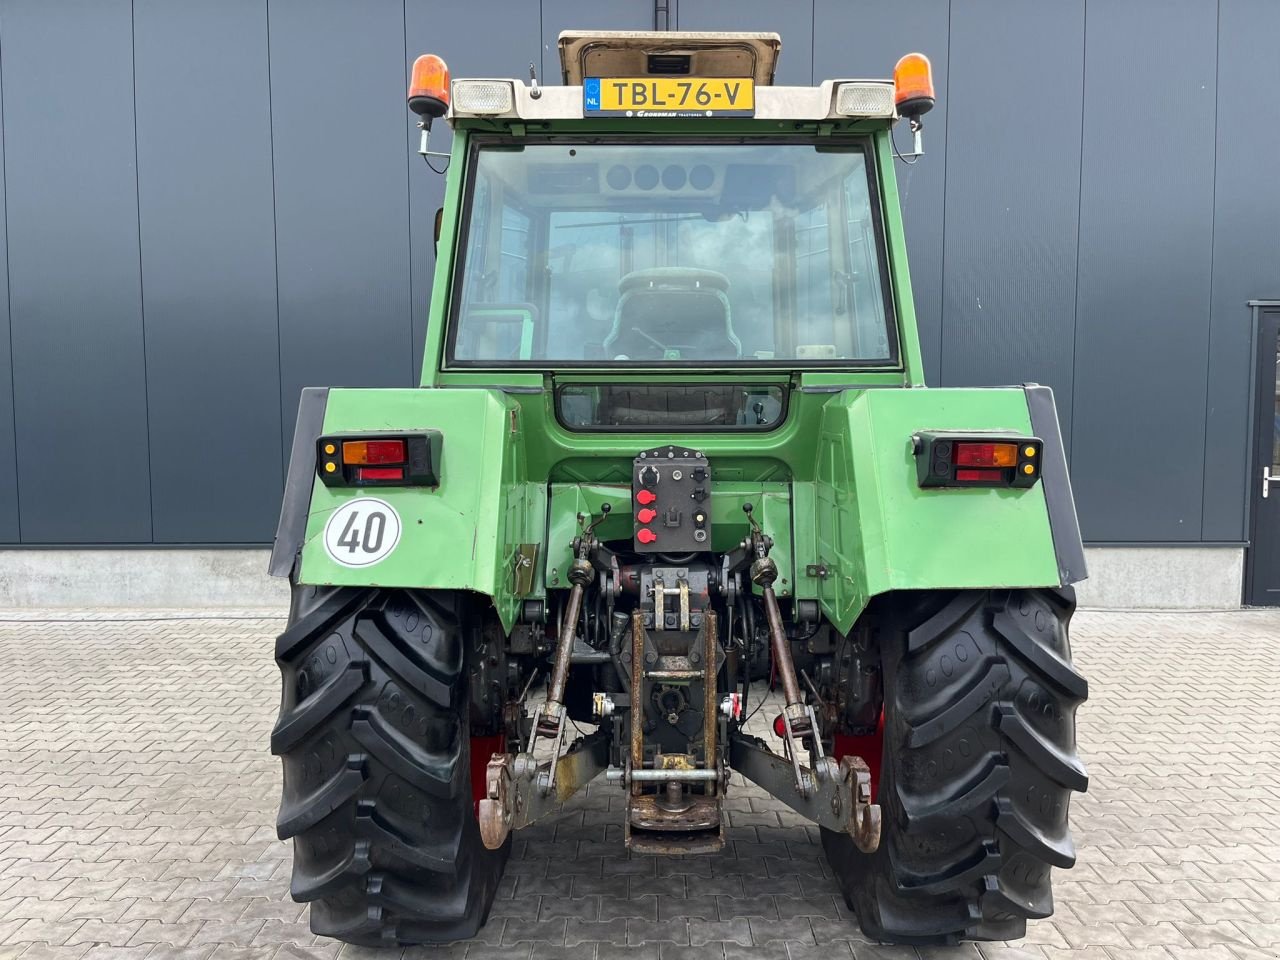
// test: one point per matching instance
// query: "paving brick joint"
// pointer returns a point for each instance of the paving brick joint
(138, 801)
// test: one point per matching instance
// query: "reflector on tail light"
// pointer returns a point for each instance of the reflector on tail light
(365, 474)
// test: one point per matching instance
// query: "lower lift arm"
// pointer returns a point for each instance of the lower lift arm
(519, 789)
(833, 795)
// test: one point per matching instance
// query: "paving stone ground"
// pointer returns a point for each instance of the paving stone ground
(137, 803)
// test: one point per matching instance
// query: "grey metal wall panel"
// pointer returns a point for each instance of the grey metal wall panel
(208, 269)
(560, 15)
(449, 31)
(1013, 195)
(1146, 222)
(865, 39)
(74, 281)
(794, 24)
(9, 527)
(342, 196)
(1175, 233)
(1246, 246)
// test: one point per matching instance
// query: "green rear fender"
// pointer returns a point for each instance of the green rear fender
(876, 530)
(464, 534)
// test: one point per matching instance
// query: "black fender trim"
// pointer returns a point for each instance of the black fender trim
(1063, 523)
(300, 481)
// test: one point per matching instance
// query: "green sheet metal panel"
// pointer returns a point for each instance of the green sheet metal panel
(878, 530)
(462, 534)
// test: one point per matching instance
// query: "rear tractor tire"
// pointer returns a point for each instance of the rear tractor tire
(374, 731)
(978, 766)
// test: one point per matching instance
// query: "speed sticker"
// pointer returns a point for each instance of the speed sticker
(362, 532)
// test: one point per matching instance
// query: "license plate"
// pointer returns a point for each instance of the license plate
(668, 97)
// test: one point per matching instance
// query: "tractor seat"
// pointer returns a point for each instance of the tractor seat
(673, 313)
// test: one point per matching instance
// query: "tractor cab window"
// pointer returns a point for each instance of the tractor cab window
(682, 254)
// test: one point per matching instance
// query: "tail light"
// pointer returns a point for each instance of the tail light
(405, 460)
(945, 459)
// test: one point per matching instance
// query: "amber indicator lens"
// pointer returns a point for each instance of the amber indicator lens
(985, 454)
(373, 451)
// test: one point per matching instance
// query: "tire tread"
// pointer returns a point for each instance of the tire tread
(978, 768)
(373, 735)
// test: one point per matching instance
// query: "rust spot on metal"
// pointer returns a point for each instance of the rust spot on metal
(694, 829)
(581, 765)
(864, 817)
(494, 810)
(637, 686)
(702, 813)
(710, 705)
(676, 761)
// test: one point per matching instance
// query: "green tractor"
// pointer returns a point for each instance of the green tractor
(673, 437)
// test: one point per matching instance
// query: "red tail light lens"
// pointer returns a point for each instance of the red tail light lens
(379, 473)
(986, 454)
(979, 476)
(373, 451)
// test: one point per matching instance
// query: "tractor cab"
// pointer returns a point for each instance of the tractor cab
(659, 213)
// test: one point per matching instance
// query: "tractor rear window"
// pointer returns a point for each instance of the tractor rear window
(670, 406)
(671, 254)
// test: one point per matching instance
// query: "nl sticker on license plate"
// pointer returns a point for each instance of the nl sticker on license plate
(668, 97)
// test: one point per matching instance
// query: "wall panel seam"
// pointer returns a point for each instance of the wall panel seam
(142, 293)
(942, 254)
(1075, 313)
(1213, 251)
(813, 31)
(8, 290)
(275, 247)
(408, 186)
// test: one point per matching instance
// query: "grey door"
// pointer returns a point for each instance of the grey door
(1263, 576)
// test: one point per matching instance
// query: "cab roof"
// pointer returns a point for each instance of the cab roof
(641, 53)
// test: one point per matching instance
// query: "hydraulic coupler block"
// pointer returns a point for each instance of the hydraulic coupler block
(671, 501)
